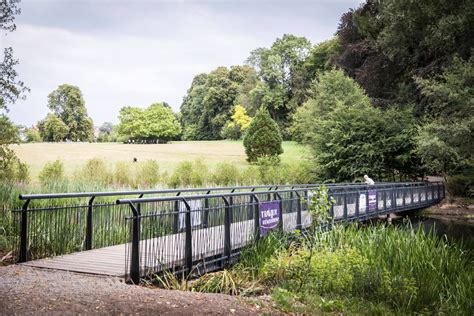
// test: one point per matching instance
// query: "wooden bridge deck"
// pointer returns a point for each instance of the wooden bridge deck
(168, 250)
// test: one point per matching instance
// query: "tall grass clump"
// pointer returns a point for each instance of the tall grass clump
(225, 174)
(53, 171)
(95, 170)
(189, 174)
(123, 174)
(148, 173)
(407, 270)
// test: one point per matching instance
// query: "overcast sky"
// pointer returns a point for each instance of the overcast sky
(138, 52)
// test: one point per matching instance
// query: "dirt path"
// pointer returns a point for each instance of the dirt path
(27, 290)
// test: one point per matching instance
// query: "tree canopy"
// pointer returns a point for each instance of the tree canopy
(157, 123)
(68, 104)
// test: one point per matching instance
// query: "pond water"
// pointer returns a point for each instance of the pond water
(458, 229)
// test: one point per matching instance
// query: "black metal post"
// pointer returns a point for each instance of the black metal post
(256, 217)
(384, 200)
(176, 216)
(357, 204)
(227, 224)
(206, 211)
(135, 255)
(366, 200)
(345, 204)
(188, 242)
(89, 227)
(23, 257)
(280, 214)
(299, 225)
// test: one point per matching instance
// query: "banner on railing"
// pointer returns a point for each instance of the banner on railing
(362, 202)
(195, 213)
(269, 216)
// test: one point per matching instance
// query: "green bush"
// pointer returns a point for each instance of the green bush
(33, 135)
(148, 173)
(262, 137)
(53, 171)
(11, 168)
(123, 175)
(461, 185)
(189, 174)
(225, 174)
(95, 170)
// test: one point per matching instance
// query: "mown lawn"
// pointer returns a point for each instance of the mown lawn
(74, 155)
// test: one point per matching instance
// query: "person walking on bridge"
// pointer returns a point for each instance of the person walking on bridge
(368, 180)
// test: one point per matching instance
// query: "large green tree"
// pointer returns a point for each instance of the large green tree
(11, 88)
(157, 123)
(281, 70)
(68, 104)
(446, 141)
(211, 98)
(385, 44)
(350, 137)
(53, 129)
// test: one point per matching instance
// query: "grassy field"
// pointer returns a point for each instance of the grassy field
(74, 155)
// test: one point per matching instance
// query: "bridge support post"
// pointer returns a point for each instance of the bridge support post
(188, 242)
(256, 217)
(89, 228)
(205, 222)
(227, 224)
(23, 256)
(298, 211)
(135, 253)
(277, 196)
(176, 216)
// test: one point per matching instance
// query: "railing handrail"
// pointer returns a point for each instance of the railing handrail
(234, 194)
(187, 190)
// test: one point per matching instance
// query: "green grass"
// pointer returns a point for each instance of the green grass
(74, 155)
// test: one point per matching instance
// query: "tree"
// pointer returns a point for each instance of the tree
(11, 89)
(446, 141)
(11, 168)
(9, 133)
(68, 104)
(157, 123)
(280, 68)
(53, 129)
(349, 137)
(208, 105)
(262, 138)
(32, 135)
(235, 128)
(105, 132)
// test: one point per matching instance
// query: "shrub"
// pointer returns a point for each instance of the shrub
(123, 174)
(53, 171)
(225, 174)
(32, 135)
(270, 170)
(262, 137)
(148, 173)
(95, 170)
(11, 168)
(250, 176)
(461, 185)
(189, 174)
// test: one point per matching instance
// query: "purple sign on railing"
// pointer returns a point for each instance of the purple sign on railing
(269, 216)
(372, 200)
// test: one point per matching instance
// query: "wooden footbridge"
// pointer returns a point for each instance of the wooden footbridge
(137, 233)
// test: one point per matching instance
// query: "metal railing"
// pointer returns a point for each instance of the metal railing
(213, 228)
(189, 229)
(61, 223)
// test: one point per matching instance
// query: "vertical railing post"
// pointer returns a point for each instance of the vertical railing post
(345, 204)
(176, 216)
(280, 214)
(23, 256)
(89, 227)
(404, 191)
(384, 200)
(432, 192)
(366, 201)
(206, 211)
(188, 241)
(411, 192)
(357, 204)
(256, 217)
(299, 225)
(135, 253)
(227, 227)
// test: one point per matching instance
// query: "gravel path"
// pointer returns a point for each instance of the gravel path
(28, 290)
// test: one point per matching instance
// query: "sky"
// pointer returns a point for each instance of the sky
(134, 53)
